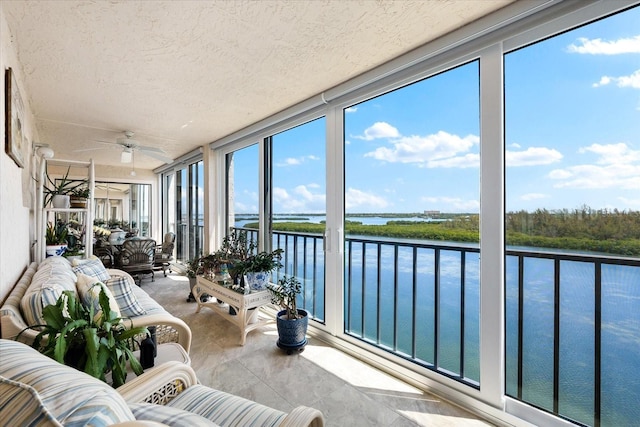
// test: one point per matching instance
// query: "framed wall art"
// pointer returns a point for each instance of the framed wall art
(14, 119)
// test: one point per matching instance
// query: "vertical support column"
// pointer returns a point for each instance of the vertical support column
(211, 195)
(492, 326)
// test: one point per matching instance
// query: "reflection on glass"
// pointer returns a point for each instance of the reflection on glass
(124, 206)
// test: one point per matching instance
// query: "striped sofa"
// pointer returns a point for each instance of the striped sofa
(41, 284)
(37, 391)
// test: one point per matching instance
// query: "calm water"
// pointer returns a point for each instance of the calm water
(620, 355)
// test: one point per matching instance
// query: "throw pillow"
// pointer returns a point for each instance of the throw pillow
(93, 267)
(120, 287)
(89, 291)
(36, 299)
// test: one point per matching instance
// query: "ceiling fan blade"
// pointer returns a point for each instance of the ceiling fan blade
(90, 149)
(151, 149)
(156, 155)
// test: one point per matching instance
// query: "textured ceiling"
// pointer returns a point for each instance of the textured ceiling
(181, 74)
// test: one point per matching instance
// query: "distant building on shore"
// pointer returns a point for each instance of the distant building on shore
(432, 213)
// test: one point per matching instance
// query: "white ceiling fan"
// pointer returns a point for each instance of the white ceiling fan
(129, 145)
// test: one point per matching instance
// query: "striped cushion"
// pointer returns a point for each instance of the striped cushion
(169, 416)
(73, 397)
(20, 405)
(120, 287)
(36, 299)
(53, 276)
(89, 291)
(92, 267)
(225, 409)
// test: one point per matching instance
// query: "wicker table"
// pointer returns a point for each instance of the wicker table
(245, 305)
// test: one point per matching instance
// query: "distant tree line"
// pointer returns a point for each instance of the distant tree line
(584, 229)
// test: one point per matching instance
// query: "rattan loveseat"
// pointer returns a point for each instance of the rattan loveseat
(41, 284)
(37, 390)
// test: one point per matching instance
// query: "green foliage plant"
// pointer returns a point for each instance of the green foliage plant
(285, 294)
(63, 186)
(56, 234)
(96, 343)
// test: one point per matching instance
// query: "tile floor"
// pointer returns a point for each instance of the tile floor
(347, 391)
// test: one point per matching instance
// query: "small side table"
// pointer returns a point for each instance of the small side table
(241, 303)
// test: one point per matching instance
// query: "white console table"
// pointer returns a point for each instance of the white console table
(241, 303)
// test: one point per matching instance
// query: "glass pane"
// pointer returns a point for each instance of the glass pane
(298, 175)
(243, 168)
(412, 188)
(572, 173)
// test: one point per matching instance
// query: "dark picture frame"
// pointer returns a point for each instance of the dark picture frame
(15, 139)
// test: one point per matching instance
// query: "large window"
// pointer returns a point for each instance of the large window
(411, 196)
(298, 205)
(482, 212)
(123, 206)
(572, 181)
(189, 208)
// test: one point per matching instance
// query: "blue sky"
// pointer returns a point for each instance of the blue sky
(572, 135)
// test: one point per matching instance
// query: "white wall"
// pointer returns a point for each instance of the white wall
(18, 188)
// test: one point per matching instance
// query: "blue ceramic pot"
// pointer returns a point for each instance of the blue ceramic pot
(292, 333)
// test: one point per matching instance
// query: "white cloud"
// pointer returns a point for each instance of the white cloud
(612, 153)
(601, 47)
(302, 199)
(534, 196)
(617, 166)
(379, 130)
(351, 110)
(532, 156)
(441, 149)
(632, 81)
(450, 204)
(359, 199)
(598, 177)
(466, 161)
(295, 161)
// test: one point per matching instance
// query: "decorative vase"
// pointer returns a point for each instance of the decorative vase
(61, 201)
(292, 333)
(257, 280)
(55, 250)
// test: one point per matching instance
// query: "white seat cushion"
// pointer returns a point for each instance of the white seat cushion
(225, 409)
(72, 397)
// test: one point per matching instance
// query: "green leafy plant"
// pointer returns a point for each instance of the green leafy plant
(285, 294)
(81, 191)
(193, 268)
(96, 343)
(262, 261)
(63, 186)
(56, 234)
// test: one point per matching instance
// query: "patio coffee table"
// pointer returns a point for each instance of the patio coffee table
(246, 306)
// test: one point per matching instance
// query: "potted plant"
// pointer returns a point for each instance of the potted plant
(58, 192)
(79, 195)
(193, 268)
(56, 238)
(96, 342)
(291, 321)
(255, 269)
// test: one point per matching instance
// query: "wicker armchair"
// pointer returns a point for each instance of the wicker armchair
(137, 258)
(175, 385)
(164, 253)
